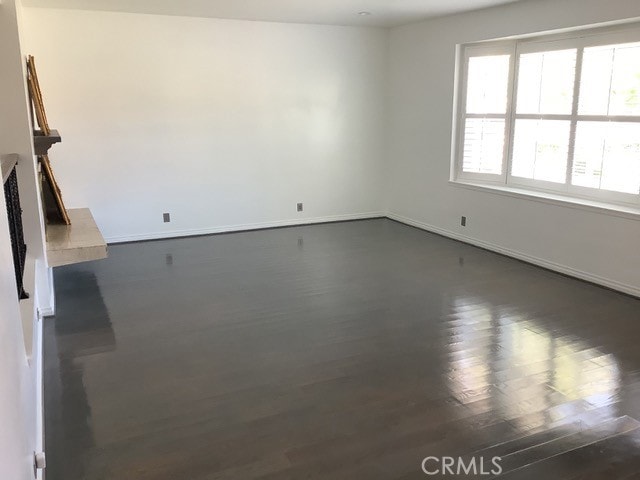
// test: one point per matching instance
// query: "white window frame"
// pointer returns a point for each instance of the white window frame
(515, 47)
(500, 48)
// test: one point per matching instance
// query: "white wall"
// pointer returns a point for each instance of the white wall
(594, 246)
(227, 124)
(224, 124)
(20, 330)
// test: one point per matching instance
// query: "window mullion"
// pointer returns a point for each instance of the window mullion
(574, 116)
(510, 117)
(498, 116)
(543, 116)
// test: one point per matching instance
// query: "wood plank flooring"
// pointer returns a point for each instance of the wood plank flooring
(340, 351)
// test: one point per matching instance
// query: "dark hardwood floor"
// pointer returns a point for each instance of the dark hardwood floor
(341, 351)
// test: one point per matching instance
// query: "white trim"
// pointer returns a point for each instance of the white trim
(39, 359)
(28, 311)
(546, 44)
(458, 74)
(490, 116)
(593, 30)
(573, 128)
(569, 117)
(556, 267)
(48, 309)
(510, 127)
(242, 227)
(48, 312)
(554, 199)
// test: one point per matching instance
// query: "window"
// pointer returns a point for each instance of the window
(559, 114)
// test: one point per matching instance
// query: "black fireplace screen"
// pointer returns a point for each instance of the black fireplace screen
(14, 214)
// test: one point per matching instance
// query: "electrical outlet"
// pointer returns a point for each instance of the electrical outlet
(463, 221)
(166, 217)
(300, 207)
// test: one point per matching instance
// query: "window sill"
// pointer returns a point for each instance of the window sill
(554, 199)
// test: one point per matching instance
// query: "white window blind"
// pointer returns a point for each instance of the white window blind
(559, 114)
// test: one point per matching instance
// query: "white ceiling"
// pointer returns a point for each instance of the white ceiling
(384, 13)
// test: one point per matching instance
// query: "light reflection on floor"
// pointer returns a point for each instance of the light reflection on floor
(525, 373)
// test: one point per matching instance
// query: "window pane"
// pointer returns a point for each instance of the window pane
(595, 81)
(610, 83)
(545, 82)
(483, 145)
(540, 149)
(607, 156)
(487, 80)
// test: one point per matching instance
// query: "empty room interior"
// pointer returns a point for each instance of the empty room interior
(319, 239)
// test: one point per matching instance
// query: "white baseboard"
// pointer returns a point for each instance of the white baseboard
(564, 269)
(556, 267)
(242, 227)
